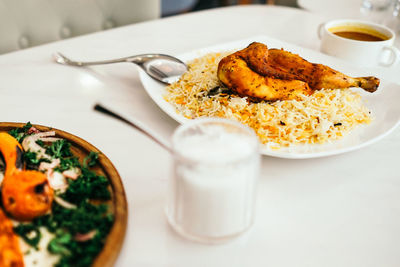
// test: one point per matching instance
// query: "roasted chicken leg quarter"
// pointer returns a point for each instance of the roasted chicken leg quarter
(273, 74)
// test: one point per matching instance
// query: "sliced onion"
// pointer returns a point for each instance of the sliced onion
(57, 181)
(49, 167)
(85, 237)
(49, 139)
(64, 203)
(72, 173)
(44, 134)
(29, 144)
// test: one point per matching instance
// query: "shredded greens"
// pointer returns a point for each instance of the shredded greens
(59, 149)
(20, 133)
(64, 223)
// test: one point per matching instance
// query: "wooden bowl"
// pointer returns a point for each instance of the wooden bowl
(81, 148)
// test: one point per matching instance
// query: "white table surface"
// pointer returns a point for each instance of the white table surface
(341, 210)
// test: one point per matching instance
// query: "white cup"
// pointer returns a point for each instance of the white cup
(363, 53)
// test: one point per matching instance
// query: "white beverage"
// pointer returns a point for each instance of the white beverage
(213, 184)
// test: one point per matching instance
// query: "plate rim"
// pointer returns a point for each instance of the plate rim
(168, 108)
(115, 239)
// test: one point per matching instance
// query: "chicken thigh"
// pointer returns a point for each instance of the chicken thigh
(273, 74)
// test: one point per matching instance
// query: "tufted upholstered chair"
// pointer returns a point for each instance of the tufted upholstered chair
(26, 23)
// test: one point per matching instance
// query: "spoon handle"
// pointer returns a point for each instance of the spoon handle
(61, 59)
(137, 59)
(108, 112)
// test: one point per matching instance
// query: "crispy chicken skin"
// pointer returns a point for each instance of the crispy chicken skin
(273, 74)
(235, 73)
(10, 253)
(317, 76)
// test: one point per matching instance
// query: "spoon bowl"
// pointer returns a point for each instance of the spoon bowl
(163, 68)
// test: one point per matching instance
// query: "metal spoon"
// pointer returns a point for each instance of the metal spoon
(110, 113)
(163, 68)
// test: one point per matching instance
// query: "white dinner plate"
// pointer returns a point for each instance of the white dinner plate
(383, 103)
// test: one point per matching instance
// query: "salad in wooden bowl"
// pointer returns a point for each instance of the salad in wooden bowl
(62, 200)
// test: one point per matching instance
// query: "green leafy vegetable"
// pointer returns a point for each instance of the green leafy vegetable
(68, 163)
(58, 244)
(30, 233)
(59, 149)
(66, 223)
(31, 158)
(20, 133)
(91, 159)
(88, 186)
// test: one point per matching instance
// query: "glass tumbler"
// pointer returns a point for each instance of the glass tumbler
(393, 20)
(211, 195)
(376, 10)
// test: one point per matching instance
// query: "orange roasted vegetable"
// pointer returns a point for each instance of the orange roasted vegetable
(12, 153)
(25, 194)
(10, 253)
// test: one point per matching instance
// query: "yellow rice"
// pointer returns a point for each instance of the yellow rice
(324, 116)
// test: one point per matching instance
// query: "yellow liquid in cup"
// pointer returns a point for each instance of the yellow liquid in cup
(359, 33)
